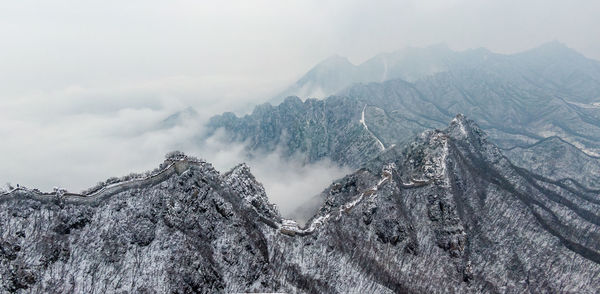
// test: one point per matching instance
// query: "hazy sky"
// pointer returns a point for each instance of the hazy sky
(53, 45)
(82, 81)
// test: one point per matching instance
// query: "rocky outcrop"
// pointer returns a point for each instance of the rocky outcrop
(315, 129)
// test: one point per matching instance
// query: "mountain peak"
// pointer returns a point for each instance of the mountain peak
(335, 59)
(554, 44)
(552, 48)
(333, 64)
(459, 126)
(292, 100)
(241, 168)
(242, 183)
(179, 117)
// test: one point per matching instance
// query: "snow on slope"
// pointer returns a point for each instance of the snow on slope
(363, 122)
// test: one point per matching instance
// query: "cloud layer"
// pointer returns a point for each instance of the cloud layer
(289, 181)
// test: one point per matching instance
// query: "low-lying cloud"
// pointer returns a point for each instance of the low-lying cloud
(290, 182)
(79, 135)
(62, 143)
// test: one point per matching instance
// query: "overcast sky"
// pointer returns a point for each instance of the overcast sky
(56, 44)
(81, 80)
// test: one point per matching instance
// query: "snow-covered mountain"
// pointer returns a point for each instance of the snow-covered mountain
(559, 160)
(518, 99)
(337, 72)
(447, 213)
(552, 65)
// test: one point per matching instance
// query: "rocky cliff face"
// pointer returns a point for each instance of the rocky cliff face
(447, 213)
(317, 129)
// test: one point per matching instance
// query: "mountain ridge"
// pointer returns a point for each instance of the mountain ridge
(411, 64)
(448, 207)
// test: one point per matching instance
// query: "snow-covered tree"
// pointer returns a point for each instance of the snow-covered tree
(175, 155)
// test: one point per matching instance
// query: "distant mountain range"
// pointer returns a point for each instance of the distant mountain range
(518, 99)
(337, 72)
(552, 66)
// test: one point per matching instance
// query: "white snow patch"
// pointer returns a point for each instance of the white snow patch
(362, 118)
(460, 125)
(583, 105)
(363, 122)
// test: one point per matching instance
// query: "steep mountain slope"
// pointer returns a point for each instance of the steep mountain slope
(314, 128)
(336, 73)
(395, 111)
(178, 118)
(557, 159)
(326, 78)
(173, 231)
(448, 213)
(553, 65)
(512, 112)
